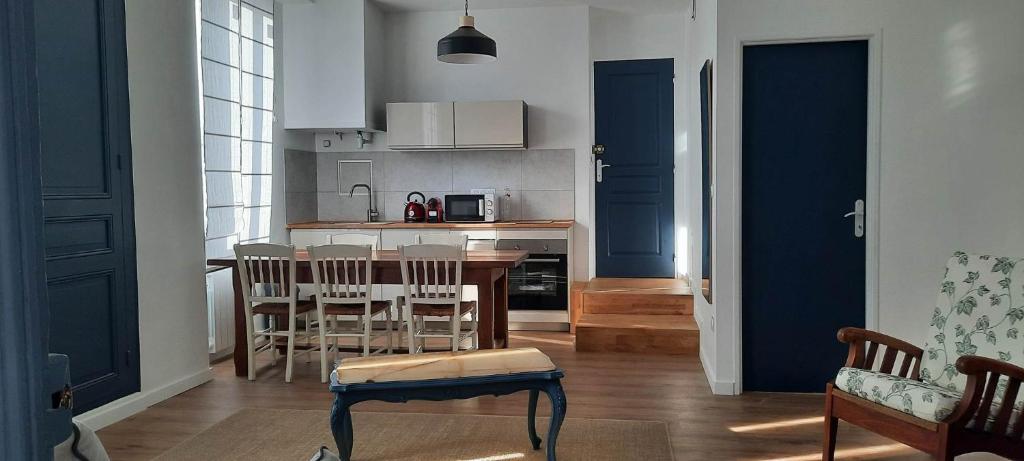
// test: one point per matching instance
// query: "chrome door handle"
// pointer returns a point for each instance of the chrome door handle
(858, 218)
(600, 166)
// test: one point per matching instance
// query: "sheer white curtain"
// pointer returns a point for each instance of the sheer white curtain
(236, 40)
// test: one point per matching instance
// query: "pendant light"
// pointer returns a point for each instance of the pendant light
(466, 45)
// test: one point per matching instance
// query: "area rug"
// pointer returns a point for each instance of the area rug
(266, 434)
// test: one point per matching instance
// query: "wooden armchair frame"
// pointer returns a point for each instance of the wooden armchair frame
(961, 432)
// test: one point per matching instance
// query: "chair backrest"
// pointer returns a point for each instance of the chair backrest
(432, 274)
(341, 273)
(354, 239)
(459, 240)
(980, 311)
(265, 270)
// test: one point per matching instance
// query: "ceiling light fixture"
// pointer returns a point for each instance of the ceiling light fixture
(466, 45)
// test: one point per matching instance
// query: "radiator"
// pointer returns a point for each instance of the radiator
(220, 311)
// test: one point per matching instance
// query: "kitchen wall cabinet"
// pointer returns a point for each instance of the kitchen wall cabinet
(417, 126)
(333, 65)
(490, 124)
(458, 125)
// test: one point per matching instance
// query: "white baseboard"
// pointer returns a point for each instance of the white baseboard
(717, 387)
(126, 406)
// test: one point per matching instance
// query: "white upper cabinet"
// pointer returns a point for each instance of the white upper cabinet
(459, 125)
(333, 65)
(417, 126)
(490, 124)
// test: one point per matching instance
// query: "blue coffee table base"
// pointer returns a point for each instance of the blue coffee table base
(549, 382)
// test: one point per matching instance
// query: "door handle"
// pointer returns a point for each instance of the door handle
(600, 166)
(858, 218)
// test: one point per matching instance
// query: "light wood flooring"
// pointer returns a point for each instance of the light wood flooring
(753, 426)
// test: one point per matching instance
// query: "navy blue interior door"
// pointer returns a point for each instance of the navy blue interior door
(633, 118)
(804, 166)
(87, 195)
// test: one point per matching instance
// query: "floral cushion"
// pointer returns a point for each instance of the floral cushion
(923, 400)
(980, 311)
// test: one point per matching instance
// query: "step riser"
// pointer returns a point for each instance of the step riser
(673, 342)
(637, 304)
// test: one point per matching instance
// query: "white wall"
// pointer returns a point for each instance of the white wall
(543, 58)
(167, 168)
(950, 141)
(700, 42)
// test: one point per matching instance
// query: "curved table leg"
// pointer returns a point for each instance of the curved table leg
(341, 428)
(558, 407)
(531, 419)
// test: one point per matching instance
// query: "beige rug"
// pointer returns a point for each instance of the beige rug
(265, 434)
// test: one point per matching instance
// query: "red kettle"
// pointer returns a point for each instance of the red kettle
(415, 211)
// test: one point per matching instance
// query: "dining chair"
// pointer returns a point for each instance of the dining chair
(432, 282)
(460, 240)
(268, 288)
(354, 239)
(342, 286)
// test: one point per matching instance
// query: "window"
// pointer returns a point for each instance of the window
(236, 66)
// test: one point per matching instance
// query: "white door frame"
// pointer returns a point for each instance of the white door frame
(872, 190)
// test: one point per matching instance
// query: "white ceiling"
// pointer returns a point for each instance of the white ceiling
(629, 6)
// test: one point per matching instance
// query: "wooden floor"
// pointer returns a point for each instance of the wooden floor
(753, 426)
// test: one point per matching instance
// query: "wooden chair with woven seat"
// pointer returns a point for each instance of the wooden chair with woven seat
(268, 288)
(342, 281)
(959, 394)
(432, 281)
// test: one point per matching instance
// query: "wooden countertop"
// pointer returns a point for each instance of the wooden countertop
(523, 224)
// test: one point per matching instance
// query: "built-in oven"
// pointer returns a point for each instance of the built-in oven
(541, 283)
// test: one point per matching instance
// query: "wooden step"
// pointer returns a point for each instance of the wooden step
(636, 297)
(660, 334)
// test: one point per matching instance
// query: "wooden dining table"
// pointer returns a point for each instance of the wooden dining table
(486, 269)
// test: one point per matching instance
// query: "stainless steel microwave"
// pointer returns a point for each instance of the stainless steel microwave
(471, 208)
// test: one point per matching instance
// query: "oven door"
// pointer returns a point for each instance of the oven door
(539, 283)
(464, 208)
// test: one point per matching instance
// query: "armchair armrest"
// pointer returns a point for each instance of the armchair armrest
(983, 375)
(864, 345)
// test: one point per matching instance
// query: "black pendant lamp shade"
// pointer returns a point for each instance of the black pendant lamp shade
(466, 45)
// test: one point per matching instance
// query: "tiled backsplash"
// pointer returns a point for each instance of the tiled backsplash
(531, 184)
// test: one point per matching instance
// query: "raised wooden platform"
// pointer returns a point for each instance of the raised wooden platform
(634, 315)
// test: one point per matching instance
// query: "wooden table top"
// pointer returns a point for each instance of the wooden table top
(516, 224)
(474, 258)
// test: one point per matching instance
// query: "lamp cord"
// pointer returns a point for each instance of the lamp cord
(467, 8)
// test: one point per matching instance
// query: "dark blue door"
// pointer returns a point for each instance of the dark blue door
(87, 195)
(804, 167)
(633, 118)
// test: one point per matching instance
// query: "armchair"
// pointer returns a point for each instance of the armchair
(948, 398)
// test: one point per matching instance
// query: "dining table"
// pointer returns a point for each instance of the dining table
(486, 269)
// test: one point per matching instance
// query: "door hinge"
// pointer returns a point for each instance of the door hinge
(673, 256)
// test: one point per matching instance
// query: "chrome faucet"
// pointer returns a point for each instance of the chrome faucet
(371, 212)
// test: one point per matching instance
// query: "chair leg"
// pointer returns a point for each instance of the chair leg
(422, 327)
(365, 339)
(290, 359)
(387, 327)
(828, 450)
(250, 344)
(410, 330)
(323, 343)
(456, 334)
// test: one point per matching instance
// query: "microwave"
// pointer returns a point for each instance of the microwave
(470, 208)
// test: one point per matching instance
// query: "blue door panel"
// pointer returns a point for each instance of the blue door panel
(87, 195)
(804, 164)
(634, 202)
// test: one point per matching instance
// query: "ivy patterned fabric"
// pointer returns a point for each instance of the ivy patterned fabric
(926, 401)
(980, 311)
